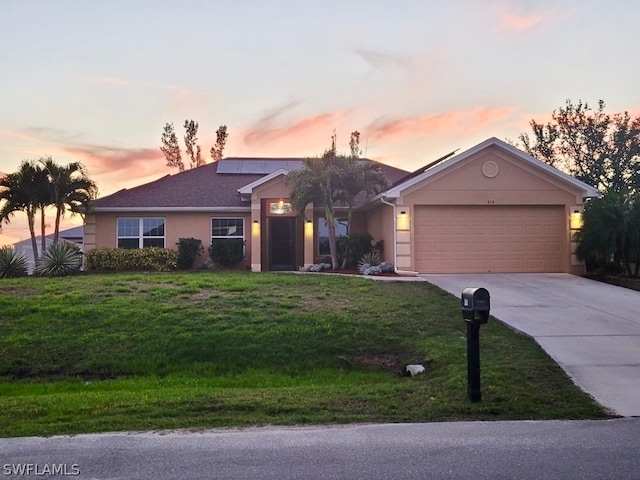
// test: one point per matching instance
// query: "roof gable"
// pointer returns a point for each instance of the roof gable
(560, 177)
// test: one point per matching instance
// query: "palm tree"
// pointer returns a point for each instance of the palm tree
(69, 188)
(332, 180)
(17, 191)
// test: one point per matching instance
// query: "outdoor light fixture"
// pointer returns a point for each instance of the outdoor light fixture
(256, 222)
(403, 221)
(576, 220)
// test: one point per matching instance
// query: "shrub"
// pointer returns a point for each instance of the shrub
(188, 251)
(352, 247)
(145, 259)
(368, 260)
(59, 260)
(226, 252)
(12, 265)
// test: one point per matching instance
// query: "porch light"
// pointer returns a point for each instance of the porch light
(308, 229)
(576, 220)
(403, 221)
(255, 229)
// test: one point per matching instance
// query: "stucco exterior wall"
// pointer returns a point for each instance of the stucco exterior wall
(177, 225)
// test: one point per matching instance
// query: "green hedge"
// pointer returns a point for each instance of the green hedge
(154, 258)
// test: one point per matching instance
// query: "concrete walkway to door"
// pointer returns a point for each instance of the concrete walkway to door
(591, 329)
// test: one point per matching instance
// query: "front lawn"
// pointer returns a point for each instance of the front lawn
(106, 352)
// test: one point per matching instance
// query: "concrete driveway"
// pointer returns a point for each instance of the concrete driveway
(591, 329)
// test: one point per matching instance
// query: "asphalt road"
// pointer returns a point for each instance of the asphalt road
(465, 450)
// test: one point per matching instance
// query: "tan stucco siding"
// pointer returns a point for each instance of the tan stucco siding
(514, 184)
(380, 225)
(177, 225)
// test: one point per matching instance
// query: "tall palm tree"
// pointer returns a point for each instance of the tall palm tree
(17, 193)
(70, 189)
(332, 180)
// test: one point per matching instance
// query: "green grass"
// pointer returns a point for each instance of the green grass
(152, 351)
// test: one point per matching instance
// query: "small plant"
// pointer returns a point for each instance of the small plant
(188, 251)
(368, 260)
(226, 252)
(352, 247)
(12, 265)
(59, 259)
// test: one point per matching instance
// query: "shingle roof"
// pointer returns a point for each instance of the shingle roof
(201, 187)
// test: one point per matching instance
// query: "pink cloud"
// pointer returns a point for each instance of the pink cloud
(271, 128)
(113, 168)
(411, 126)
(512, 22)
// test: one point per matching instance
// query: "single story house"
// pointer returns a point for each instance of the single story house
(492, 208)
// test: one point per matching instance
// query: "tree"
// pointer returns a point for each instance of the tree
(610, 235)
(17, 192)
(330, 181)
(171, 148)
(69, 188)
(221, 140)
(600, 149)
(190, 139)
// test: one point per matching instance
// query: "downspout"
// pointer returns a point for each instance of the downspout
(395, 240)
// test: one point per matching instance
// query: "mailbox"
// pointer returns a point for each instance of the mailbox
(475, 305)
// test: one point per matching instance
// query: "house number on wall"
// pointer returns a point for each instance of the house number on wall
(491, 202)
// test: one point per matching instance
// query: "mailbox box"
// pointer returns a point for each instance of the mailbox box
(475, 305)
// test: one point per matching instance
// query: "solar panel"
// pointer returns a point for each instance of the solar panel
(256, 166)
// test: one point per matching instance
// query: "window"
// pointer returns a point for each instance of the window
(140, 232)
(342, 228)
(227, 228)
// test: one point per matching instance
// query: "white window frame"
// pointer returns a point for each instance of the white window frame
(141, 236)
(228, 236)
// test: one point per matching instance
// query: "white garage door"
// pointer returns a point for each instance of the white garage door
(478, 239)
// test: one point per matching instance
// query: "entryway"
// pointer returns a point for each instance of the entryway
(282, 243)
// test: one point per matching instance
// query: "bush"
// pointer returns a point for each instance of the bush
(188, 251)
(352, 247)
(145, 259)
(226, 252)
(371, 259)
(59, 260)
(12, 265)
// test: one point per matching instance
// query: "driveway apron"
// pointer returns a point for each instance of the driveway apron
(591, 329)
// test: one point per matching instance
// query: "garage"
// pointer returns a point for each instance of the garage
(489, 238)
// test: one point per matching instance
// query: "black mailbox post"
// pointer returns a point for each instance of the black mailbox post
(475, 312)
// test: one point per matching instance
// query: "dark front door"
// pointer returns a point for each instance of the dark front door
(282, 243)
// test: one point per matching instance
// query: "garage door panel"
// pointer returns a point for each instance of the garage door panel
(489, 239)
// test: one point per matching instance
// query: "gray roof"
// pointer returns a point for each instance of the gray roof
(214, 185)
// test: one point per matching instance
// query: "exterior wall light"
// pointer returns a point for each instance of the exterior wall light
(577, 220)
(404, 223)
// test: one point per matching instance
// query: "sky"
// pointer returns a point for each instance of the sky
(96, 82)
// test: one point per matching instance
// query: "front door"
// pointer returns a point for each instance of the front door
(282, 243)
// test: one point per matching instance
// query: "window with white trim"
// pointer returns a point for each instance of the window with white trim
(141, 232)
(227, 228)
(342, 229)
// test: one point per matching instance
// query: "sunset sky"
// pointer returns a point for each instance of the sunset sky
(96, 81)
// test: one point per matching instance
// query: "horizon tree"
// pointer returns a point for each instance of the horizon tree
(593, 146)
(170, 146)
